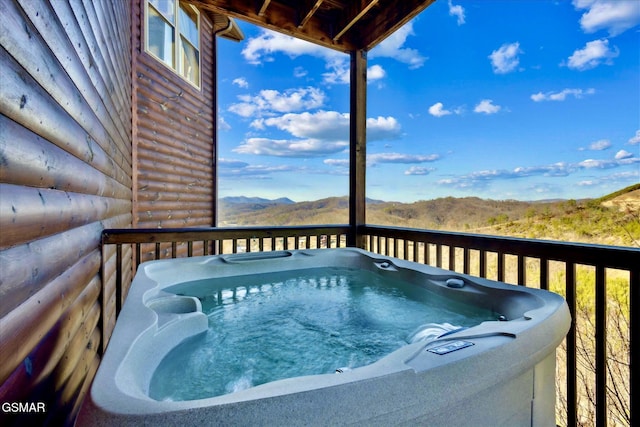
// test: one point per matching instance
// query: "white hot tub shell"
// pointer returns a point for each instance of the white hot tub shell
(492, 374)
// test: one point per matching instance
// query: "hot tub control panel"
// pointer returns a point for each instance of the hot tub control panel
(450, 346)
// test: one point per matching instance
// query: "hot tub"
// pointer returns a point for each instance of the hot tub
(493, 366)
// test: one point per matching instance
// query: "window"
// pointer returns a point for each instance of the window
(173, 37)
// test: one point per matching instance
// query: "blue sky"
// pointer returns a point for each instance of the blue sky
(518, 99)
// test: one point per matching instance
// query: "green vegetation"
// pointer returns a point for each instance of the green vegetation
(589, 221)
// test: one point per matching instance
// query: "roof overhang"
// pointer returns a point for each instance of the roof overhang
(343, 25)
(226, 27)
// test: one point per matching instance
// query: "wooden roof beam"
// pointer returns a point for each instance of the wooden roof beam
(343, 25)
(278, 17)
(357, 10)
(307, 10)
(263, 8)
(390, 20)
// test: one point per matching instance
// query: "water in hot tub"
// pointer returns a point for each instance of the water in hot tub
(268, 327)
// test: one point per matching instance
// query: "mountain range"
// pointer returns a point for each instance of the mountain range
(612, 219)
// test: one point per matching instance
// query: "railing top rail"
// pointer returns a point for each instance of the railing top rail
(156, 235)
(609, 256)
(622, 257)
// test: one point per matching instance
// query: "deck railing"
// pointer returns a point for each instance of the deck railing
(568, 268)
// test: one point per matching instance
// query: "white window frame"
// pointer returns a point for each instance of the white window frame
(177, 65)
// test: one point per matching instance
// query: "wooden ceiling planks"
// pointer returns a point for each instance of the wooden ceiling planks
(343, 25)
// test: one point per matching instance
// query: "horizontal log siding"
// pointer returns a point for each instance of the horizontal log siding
(65, 175)
(173, 137)
(36, 162)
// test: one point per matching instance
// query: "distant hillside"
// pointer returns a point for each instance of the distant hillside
(448, 213)
(333, 210)
(445, 213)
(230, 207)
(257, 200)
(612, 219)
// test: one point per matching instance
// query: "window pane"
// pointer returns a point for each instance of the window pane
(189, 25)
(190, 62)
(166, 7)
(160, 37)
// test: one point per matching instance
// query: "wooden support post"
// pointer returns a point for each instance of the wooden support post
(214, 144)
(357, 146)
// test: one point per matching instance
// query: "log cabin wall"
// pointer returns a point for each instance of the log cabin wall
(174, 147)
(65, 174)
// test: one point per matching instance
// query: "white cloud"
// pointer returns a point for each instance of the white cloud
(241, 82)
(615, 16)
(438, 110)
(418, 170)
(377, 158)
(313, 134)
(231, 163)
(330, 125)
(294, 100)
(543, 188)
(635, 140)
(244, 109)
(338, 72)
(608, 163)
(243, 170)
(299, 72)
(272, 101)
(375, 72)
(593, 164)
(337, 162)
(554, 169)
(617, 178)
(600, 145)
(629, 175)
(222, 125)
(393, 47)
(562, 95)
(486, 106)
(457, 11)
(262, 47)
(380, 128)
(257, 124)
(505, 59)
(593, 54)
(623, 154)
(327, 125)
(290, 148)
(395, 158)
(560, 169)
